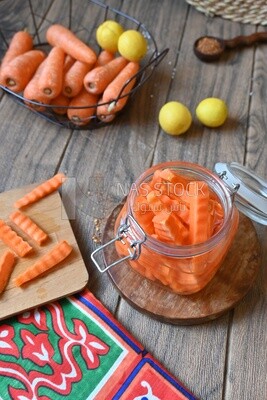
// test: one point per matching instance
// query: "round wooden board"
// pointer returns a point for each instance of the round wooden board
(230, 284)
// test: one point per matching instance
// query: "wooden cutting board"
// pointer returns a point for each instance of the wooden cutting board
(68, 277)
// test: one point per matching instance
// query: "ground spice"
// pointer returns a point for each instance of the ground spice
(208, 46)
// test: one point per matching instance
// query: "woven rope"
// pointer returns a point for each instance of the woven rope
(245, 11)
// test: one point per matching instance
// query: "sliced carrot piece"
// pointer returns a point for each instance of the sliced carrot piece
(45, 263)
(27, 225)
(168, 226)
(13, 240)
(41, 191)
(7, 261)
(198, 196)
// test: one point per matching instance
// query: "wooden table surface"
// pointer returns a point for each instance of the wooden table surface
(222, 359)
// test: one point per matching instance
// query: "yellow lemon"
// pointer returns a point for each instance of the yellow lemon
(175, 118)
(107, 35)
(212, 112)
(132, 45)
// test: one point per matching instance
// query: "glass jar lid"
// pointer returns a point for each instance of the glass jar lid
(250, 190)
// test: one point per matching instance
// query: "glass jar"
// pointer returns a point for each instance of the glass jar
(182, 268)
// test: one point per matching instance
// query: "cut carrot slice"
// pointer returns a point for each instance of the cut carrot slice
(45, 263)
(7, 261)
(168, 226)
(27, 225)
(198, 196)
(13, 240)
(41, 191)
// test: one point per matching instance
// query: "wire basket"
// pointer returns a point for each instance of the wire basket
(244, 11)
(82, 17)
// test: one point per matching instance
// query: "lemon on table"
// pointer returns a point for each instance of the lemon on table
(212, 112)
(175, 118)
(132, 45)
(107, 35)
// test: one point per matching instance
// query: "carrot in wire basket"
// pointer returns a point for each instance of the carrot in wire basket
(51, 76)
(116, 88)
(19, 71)
(62, 101)
(83, 114)
(98, 78)
(41, 191)
(58, 35)
(45, 263)
(68, 62)
(73, 78)
(29, 227)
(20, 43)
(13, 240)
(33, 93)
(103, 58)
(7, 261)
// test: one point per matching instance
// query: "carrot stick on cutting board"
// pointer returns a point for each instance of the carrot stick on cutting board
(19, 71)
(82, 115)
(51, 76)
(58, 35)
(45, 263)
(41, 191)
(73, 79)
(13, 240)
(7, 261)
(29, 227)
(20, 43)
(98, 78)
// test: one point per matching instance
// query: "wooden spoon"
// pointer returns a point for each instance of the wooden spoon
(210, 48)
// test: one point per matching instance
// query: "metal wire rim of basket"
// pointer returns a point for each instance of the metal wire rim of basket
(144, 73)
(244, 11)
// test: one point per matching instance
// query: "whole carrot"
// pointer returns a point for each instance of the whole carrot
(98, 78)
(58, 35)
(68, 62)
(73, 79)
(33, 93)
(102, 114)
(19, 71)
(45, 263)
(103, 58)
(83, 114)
(13, 240)
(20, 43)
(29, 227)
(51, 76)
(61, 103)
(7, 261)
(42, 190)
(120, 86)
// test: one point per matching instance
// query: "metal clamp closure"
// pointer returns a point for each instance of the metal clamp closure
(128, 230)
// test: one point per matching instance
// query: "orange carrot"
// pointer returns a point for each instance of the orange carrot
(73, 79)
(68, 62)
(82, 115)
(103, 58)
(120, 86)
(98, 78)
(19, 71)
(33, 93)
(42, 190)
(62, 101)
(198, 196)
(169, 227)
(20, 43)
(13, 240)
(51, 77)
(45, 263)
(102, 112)
(58, 35)
(7, 261)
(29, 227)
